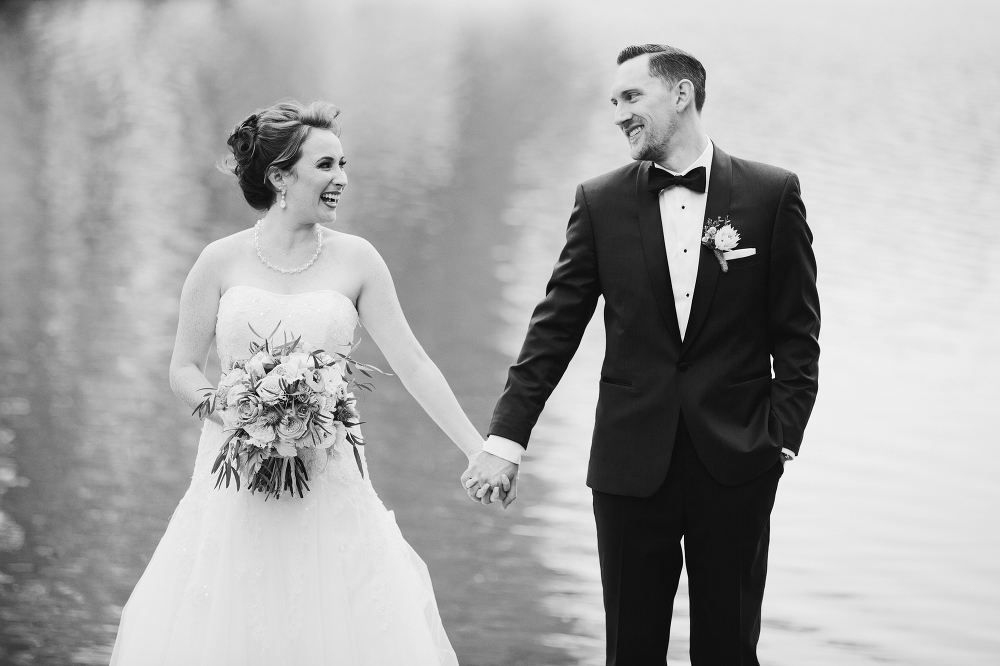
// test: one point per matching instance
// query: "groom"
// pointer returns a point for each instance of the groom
(712, 320)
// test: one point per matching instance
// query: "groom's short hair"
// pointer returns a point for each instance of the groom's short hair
(671, 65)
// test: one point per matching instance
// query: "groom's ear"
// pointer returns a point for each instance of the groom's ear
(683, 93)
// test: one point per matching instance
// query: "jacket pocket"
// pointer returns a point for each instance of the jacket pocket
(745, 262)
(616, 382)
(753, 378)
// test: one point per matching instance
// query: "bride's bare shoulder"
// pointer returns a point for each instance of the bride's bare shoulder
(227, 248)
(354, 249)
(219, 257)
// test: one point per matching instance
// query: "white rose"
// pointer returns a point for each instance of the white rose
(291, 427)
(727, 238)
(232, 377)
(293, 367)
(284, 448)
(327, 415)
(299, 361)
(227, 382)
(255, 368)
(260, 364)
(261, 432)
(234, 395)
(270, 390)
(327, 441)
(247, 408)
(332, 375)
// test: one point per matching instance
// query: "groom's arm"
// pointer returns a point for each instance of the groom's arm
(794, 319)
(554, 333)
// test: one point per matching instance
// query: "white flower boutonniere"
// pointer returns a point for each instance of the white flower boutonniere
(719, 236)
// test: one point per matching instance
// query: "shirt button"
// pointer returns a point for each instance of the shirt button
(682, 207)
(685, 249)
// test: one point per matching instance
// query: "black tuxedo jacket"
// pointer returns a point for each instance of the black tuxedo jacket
(764, 310)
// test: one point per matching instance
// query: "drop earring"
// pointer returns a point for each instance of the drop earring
(282, 202)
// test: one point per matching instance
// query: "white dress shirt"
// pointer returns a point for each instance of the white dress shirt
(682, 214)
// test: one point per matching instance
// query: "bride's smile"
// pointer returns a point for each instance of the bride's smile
(314, 187)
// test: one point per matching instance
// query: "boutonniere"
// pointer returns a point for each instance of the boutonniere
(719, 236)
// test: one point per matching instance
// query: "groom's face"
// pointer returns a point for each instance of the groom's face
(644, 109)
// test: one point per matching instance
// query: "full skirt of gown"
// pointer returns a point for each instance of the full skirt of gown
(324, 579)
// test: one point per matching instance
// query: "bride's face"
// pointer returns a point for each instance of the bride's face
(318, 179)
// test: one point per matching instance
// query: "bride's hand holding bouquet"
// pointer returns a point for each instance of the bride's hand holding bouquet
(281, 405)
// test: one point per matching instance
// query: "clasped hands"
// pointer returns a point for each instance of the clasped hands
(490, 478)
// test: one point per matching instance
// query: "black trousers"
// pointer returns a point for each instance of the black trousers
(726, 532)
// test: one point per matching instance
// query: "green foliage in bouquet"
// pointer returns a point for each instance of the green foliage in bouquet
(279, 402)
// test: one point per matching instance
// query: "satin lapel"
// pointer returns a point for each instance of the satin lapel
(655, 250)
(720, 189)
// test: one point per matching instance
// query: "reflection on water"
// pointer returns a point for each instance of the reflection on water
(466, 133)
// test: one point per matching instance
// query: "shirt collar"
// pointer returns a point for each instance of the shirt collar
(705, 160)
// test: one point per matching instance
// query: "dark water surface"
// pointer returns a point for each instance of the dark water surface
(467, 130)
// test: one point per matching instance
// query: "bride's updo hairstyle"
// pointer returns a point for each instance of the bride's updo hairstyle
(271, 139)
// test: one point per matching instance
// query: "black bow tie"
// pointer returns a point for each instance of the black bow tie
(660, 179)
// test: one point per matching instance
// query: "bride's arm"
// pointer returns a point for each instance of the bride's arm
(199, 308)
(382, 316)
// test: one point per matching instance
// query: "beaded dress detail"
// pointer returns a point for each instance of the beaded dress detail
(324, 579)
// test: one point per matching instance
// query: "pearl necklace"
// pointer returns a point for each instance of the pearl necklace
(287, 271)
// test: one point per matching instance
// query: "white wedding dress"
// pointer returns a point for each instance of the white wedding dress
(325, 579)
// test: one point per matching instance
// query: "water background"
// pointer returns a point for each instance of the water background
(467, 126)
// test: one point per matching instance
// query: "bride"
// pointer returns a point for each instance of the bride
(324, 579)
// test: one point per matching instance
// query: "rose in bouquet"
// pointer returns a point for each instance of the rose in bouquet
(278, 404)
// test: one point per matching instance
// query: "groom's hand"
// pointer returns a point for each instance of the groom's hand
(504, 490)
(483, 479)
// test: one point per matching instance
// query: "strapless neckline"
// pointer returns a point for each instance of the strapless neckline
(301, 293)
(322, 319)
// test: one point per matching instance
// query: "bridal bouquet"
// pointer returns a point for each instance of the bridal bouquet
(280, 402)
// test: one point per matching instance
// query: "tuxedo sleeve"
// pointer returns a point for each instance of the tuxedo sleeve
(793, 317)
(555, 330)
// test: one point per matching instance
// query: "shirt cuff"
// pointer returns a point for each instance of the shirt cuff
(789, 452)
(504, 448)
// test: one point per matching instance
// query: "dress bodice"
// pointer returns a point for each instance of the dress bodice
(324, 319)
